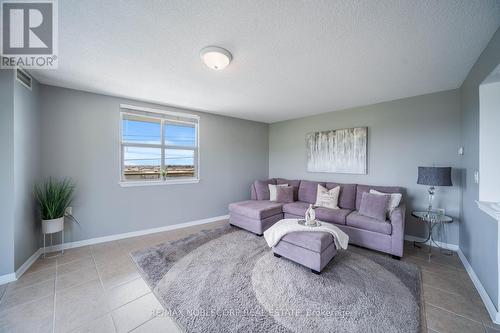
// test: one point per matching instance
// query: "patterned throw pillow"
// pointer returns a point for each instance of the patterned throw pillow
(327, 198)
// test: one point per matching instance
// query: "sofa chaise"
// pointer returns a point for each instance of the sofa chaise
(258, 214)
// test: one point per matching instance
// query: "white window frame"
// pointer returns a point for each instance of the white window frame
(126, 109)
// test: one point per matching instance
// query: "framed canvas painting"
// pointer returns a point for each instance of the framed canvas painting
(338, 151)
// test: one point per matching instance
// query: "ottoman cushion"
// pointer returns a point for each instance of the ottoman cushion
(314, 241)
(256, 209)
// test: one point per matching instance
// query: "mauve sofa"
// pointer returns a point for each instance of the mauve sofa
(258, 214)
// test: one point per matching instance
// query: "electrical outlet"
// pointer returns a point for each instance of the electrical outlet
(476, 177)
(69, 211)
(461, 151)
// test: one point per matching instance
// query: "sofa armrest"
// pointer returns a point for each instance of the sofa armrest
(398, 214)
(397, 219)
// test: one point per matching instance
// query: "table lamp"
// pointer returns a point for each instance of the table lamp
(434, 176)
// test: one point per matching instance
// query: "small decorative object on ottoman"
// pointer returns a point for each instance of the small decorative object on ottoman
(312, 247)
(310, 216)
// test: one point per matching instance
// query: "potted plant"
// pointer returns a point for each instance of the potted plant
(54, 198)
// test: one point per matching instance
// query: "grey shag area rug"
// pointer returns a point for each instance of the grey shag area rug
(227, 280)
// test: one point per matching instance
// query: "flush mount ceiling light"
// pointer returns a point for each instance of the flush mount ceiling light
(215, 57)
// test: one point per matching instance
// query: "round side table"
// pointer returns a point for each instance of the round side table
(433, 219)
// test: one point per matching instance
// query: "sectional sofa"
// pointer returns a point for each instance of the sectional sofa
(258, 214)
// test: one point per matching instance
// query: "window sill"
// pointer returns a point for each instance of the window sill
(159, 183)
(490, 208)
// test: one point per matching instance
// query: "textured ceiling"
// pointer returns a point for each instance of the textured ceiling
(291, 58)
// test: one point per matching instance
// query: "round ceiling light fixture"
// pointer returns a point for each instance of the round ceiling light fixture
(216, 57)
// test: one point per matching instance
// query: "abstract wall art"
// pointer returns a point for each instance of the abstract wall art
(338, 151)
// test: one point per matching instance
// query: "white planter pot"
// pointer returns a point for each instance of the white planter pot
(52, 226)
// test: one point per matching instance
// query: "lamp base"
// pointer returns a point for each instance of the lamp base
(431, 191)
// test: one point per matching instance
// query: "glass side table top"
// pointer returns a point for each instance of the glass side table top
(432, 217)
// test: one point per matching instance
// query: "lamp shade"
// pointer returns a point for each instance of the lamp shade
(434, 176)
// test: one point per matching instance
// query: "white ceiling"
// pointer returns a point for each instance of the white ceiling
(290, 58)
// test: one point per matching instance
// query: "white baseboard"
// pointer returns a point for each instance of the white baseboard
(143, 232)
(20, 271)
(493, 312)
(447, 246)
(27, 264)
(6, 278)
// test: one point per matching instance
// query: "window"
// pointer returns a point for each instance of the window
(158, 147)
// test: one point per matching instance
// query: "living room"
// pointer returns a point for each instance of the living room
(264, 166)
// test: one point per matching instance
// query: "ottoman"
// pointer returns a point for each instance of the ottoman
(312, 249)
(255, 215)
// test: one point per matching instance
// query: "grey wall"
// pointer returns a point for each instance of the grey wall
(478, 232)
(80, 139)
(402, 135)
(26, 171)
(6, 171)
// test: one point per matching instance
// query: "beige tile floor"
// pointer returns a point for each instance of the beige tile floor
(98, 289)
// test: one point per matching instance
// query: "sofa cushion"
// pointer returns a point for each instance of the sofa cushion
(347, 197)
(262, 188)
(308, 190)
(366, 188)
(296, 208)
(256, 209)
(367, 223)
(374, 205)
(337, 216)
(314, 241)
(284, 194)
(293, 183)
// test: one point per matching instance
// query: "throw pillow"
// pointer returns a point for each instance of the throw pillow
(394, 200)
(374, 206)
(327, 198)
(293, 183)
(272, 191)
(284, 194)
(261, 188)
